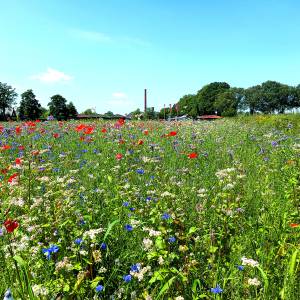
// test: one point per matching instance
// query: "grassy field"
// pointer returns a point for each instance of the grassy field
(151, 210)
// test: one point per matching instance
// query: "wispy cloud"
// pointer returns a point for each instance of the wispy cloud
(100, 37)
(119, 95)
(52, 76)
(94, 36)
(120, 102)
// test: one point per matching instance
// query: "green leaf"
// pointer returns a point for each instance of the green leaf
(293, 263)
(20, 261)
(166, 286)
(192, 230)
(158, 276)
(265, 277)
(109, 228)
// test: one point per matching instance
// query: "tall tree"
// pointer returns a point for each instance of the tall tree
(228, 102)
(58, 107)
(30, 108)
(188, 105)
(8, 97)
(72, 111)
(207, 96)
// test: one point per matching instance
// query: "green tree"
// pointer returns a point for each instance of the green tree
(45, 112)
(227, 103)
(207, 96)
(88, 111)
(136, 114)
(109, 114)
(252, 98)
(30, 108)
(58, 107)
(188, 105)
(72, 112)
(8, 97)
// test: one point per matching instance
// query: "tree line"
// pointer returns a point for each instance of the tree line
(30, 107)
(222, 99)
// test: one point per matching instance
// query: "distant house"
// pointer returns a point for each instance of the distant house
(84, 117)
(208, 117)
(104, 117)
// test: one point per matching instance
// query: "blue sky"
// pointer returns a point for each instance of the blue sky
(104, 53)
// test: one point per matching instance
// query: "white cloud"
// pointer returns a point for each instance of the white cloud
(119, 95)
(91, 35)
(100, 37)
(52, 75)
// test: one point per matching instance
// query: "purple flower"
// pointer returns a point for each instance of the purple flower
(78, 241)
(166, 216)
(240, 268)
(99, 288)
(216, 290)
(140, 171)
(127, 278)
(171, 239)
(128, 227)
(135, 268)
(50, 250)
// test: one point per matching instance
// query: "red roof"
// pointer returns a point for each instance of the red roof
(209, 117)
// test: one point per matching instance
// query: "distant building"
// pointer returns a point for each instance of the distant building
(209, 117)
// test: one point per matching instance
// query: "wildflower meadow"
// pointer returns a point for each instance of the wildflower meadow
(150, 210)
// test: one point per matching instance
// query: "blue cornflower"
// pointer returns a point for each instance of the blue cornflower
(131, 208)
(128, 227)
(274, 144)
(126, 203)
(50, 250)
(135, 268)
(216, 290)
(171, 239)
(140, 171)
(166, 216)
(82, 222)
(127, 278)
(99, 288)
(241, 268)
(103, 246)
(78, 241)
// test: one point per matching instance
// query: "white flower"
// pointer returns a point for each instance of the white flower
(147, 243)
(179, 298)
(254, 281)
(249, 262)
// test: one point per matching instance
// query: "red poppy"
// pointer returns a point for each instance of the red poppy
(193, 155)
(11, 225)
(294, 225)
(30, 124)
(18, 130)
(21, 147)
(1, 128)
(55, 135)
(4, 171)
(88, 130)
(18, 161)
(103, 130)
(140, 142)
(146, 132)
(13, 178)
(172, 133)
(79, 127)
(6, 147)
(119, 156)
